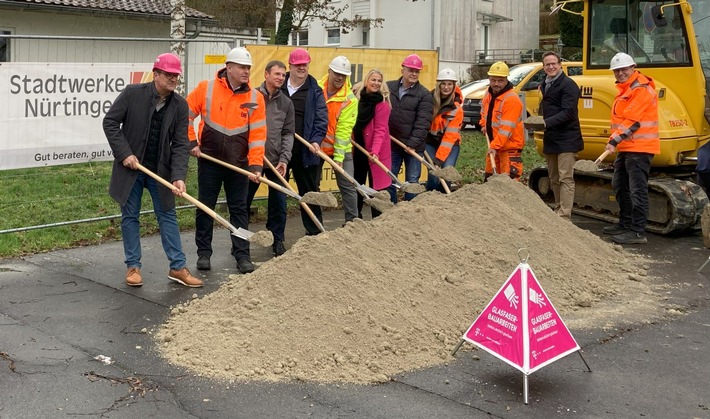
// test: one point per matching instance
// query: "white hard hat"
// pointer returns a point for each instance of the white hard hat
(239, 55)
(340, 65)
(447, 74)
(621, 60)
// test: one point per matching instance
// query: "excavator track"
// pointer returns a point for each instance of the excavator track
(675, 205)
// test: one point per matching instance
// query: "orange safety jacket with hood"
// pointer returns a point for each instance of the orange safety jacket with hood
(634, 116)
(506, 126)
(232, 122)
(342, 113)
(445, 131)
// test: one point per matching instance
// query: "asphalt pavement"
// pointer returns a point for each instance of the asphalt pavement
(61, 310)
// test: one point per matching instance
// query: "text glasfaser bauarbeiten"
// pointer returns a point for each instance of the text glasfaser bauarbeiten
(39, 106)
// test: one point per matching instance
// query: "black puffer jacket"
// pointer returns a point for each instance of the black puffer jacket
(559, 108)
(411, 115)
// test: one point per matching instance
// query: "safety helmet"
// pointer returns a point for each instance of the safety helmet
(447, 74)
(168, 62)
(340, 65)
(413, 61)
(239, 55)
(299, 56)
(499, 69)
(621, 60)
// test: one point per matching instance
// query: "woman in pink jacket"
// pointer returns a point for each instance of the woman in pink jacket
(372, 132)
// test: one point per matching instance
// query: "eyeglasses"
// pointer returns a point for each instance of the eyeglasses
(168, 75)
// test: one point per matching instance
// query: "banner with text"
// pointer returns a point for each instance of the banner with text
(53, 113)
(520, 326)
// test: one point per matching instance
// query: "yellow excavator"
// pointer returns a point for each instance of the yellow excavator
(670, 44)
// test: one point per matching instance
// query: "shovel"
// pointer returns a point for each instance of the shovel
(303, 203)
(602, 157)
(493, 159)
(405, 187)
(322, 202)
(365, 191)
(441, 180)
(238, 232)
(438, 172)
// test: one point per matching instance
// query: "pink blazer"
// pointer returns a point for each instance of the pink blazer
(377, 142)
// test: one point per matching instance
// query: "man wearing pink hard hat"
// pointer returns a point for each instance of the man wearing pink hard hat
(147, 124)
(410, 120)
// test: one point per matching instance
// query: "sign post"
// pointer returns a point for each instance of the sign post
(521, 327)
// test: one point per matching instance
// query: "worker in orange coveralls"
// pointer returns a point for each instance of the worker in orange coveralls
(502, 123)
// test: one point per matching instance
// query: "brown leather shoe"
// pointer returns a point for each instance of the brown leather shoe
(133, 277)
(184, 277)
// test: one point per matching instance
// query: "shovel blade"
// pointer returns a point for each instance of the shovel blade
(241, 233)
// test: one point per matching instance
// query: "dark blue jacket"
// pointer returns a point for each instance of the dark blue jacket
(559, 108)
(315, 118)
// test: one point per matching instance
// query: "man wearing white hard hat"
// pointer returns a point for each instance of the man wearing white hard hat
(410, 120)
(232, 129)
(634, 135)
(147, 124)
(342, 113)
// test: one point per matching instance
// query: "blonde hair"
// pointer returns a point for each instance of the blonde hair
(438, 104)
(383, 87)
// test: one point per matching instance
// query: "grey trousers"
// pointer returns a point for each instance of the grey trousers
(348, 192)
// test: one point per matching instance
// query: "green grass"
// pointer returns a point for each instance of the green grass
(60, 194)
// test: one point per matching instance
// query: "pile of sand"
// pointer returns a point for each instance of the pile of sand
(374, 299)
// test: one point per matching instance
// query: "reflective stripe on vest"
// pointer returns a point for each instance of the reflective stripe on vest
(328, 145)
(509, 125)
(221, 128)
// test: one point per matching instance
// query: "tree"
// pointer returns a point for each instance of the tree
(285, 23)
(239, 14)
(571, 26)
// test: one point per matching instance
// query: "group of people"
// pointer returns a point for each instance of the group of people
(292, 118)
(286, 126)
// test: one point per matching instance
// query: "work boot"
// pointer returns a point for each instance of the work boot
(630, 237)
(615, 229)
(184, 277)
(245, 266)
(278, 248)
(203, 263)
(133, 277)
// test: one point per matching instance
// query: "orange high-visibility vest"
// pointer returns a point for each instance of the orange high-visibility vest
(507, 121)
(634, 116)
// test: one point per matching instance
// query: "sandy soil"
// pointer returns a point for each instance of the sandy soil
(374, 299)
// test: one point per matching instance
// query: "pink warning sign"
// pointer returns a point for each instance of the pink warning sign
(520, 325)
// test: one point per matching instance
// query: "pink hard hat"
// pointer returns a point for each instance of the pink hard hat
(299, 56)
(413, 61)
(169, 63)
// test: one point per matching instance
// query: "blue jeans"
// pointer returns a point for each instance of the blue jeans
(210, 177)
(630, 184)
(276, 218)
(432, 182)
(167, 222)
(412, 171)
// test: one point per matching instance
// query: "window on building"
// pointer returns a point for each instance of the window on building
(4, 47)
(365, 36)
(333, 36)
(299, 37)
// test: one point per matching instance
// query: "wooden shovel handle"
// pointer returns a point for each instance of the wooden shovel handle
(187, 196)
(248, 173)
(303, 204)
(442, 181)
(602, 157)
(493, 159)
(376, 161)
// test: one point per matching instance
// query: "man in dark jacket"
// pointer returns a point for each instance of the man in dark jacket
(410, 120)
(563, 136)
(147, 124)
(279, 142)
(311, 124)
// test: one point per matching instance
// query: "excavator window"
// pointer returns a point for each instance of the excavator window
(637, 28)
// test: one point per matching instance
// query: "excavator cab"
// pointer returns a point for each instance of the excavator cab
(669, 43)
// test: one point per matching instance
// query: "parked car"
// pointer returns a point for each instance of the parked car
(525, 78)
